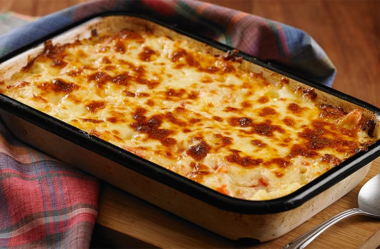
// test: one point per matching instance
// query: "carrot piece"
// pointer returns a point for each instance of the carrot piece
(223, 189)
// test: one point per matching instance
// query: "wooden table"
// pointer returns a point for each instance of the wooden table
(349, 32)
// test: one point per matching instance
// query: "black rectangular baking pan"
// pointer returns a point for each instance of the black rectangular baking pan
(230, 217)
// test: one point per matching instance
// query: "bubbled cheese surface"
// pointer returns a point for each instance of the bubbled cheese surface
(195, 113)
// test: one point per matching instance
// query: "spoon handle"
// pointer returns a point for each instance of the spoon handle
(308, 237)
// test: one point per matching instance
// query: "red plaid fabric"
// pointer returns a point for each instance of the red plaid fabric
(44, 203)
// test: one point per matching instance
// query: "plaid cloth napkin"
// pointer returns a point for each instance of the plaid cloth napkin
(46, 203)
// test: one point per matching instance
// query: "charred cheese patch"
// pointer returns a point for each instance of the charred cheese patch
(195, 113)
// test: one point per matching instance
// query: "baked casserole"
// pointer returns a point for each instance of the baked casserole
(199, 113)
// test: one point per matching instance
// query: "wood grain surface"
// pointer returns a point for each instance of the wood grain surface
(349, 32)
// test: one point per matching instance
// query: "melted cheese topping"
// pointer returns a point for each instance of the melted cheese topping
(195, 113)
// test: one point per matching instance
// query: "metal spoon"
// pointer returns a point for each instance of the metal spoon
(369, 205)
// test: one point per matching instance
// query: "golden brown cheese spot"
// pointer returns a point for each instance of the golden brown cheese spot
(283, 145)
(193, 95)
(259, 143)
(119, 47)
(150, 102)
(199, 151)
(90, 120)
(146, 54)
(317, 139)
(267, 129)
(232, 109)
(199, 171)
(112, 120)
(263, 100)
(193, 121)
(168, 142)
(51, 51)
(267, 111)
(331, 159)
(176, 56)
(226, 141)
(175, 93)
(295, 109)
(310, 93)
(130, 35)
(168, 154)
(278, 174)
(39, 99)
(206, 79)
(211, 70)
(158, 134)
(246, 104)
(301, 150)
(228, 69)
(181, 53)
(75, 73)
(110, 68)
(100, 77)
(180, 109)
(94, 106)
(231, 56)
(218, 119)
(284, 81)
(142, 95)
(151, 127)
(287, 140)
(129, 64)
(122, 79)
(88, 67)
(256, 75)
(59, 85)
(172, 119)
(129, 94)
(281, 162)
(246, 161)
(328, 111)
(140, 80)
(289, 121)
(243, 121)
(106, 60)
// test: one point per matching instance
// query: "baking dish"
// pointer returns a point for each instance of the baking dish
(229, 217)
